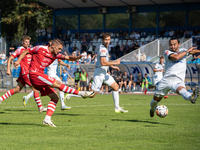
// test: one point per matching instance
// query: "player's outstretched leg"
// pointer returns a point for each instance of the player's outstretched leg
(26, 98)
(39, 103)
(63, 106)
(115, 95)
(50, 110)
(153, 104)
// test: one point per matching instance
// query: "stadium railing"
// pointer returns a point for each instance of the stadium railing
(6, 82)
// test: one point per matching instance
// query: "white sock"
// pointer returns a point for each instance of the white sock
(153, 104)
(61, 94)
(29, 95)
(185, 94)
(81, 93)
(72, 95)
(134, 88)
(47, 118)
(115, 95)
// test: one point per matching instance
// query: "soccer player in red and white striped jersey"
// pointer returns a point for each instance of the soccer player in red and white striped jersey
(43, 56)
(24, 73)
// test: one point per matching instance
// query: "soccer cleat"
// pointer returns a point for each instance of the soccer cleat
(120, 110)
(195, 95)
(65, 107)
(48, 123)
(89, 94)
(145, 91)
(165, 97)
(151, 113)
(42, 109)
(24, 101)
(68, 96)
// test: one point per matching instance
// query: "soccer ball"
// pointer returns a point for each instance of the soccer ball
(162, 111)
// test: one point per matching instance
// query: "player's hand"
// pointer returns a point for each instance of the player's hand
(190, 49)
(115, 68)
(8, 72)
(79, 57)
(117, 62)
(16, 63)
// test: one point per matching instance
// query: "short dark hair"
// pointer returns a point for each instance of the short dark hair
(105, 35)
(57, 41)
(174, 38)
(161, 57)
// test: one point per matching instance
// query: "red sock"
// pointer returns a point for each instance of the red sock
(8, 94)
(67, 89)
(37, 99)
(51, 107)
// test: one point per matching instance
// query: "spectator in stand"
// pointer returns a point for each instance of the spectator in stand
(120, 34)
(139, 81)
(84, 47)
(137, 45)
(186, 34)
(90, 49)
(88, 60)
(95, 38)
(94, 59)
(162, 32)
(98, 34)
(83, 80)
(84, 54)
(143, 34)
(190, 32)
(171, 33)
(137, 35)
(38, 32)
(43, 31)
(77, 35)
(64, 38)
(127, 37)
(116, 34)
(111, 34)
(86, 34)
(132, 36)
(166, 33)
(177, 33)
(126, 48)
(125, 83)
(84, 39)
(121, 50)
(60, 37)
(89, 38)
(117, 50)
(101, 34)
(142, 44)
(132, 46)
(74, 49)
(90, 83)
(196, 32)
(68, 33)
(109, 47)
(12, 48)
(181, 33)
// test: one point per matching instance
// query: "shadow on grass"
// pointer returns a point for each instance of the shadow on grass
(143, 121)
(68, 114)
(10, 123)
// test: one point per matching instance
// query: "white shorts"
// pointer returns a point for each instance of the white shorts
(155, 79)
(65, 82)
(100, 78)
(165, 85)
(56, 77)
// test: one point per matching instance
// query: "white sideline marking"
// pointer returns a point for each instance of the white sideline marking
(108, 105)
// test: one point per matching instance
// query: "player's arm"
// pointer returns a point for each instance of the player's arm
(109, 63)
(194, 51)
(63, 64)
(8, 65)
(115, 68)
(180, 55)
(23, 54)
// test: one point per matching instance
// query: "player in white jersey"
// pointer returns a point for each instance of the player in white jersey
(174, 76)
(101, 75)
(52, 72)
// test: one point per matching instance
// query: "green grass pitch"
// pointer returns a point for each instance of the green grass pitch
(92, 124)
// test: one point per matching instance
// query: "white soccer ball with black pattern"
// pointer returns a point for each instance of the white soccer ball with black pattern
(162, 111)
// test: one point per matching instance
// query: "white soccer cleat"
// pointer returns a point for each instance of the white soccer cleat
(68, 96)
(120, 110)
(42, 109)
(195, 95)
(48, 123)
(25, 101)
(65, 107)
(88, 94)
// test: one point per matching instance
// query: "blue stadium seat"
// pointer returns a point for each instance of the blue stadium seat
(70, 50)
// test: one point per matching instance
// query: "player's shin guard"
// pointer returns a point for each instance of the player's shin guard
(50, 109)
(185, 94)
(115, 95)
(6, 95)
(153, 104)
(37, 99)
(67, 89)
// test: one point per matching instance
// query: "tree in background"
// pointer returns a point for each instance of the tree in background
(21, 17)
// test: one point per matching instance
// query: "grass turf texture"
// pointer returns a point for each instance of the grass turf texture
(92, 124)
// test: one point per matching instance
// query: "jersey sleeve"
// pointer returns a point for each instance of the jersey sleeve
(167, 53)
(156, 66)
(16, 53)
(33, 50)
(103, 52)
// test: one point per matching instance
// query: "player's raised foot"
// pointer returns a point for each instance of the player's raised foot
(195, 95)
(151, 113)
(120, 110)
(88, 94)
(48, 123)
(65, 107)
(165, 97)
(42, 109)
(145, 91)
(24, 101)
(67, 96)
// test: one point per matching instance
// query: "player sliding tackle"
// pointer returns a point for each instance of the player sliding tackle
(174, 76)
(101, 75)
(43, 56)
(24, 74)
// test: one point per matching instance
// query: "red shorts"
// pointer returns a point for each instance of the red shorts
(24, 79)
(42, 83)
